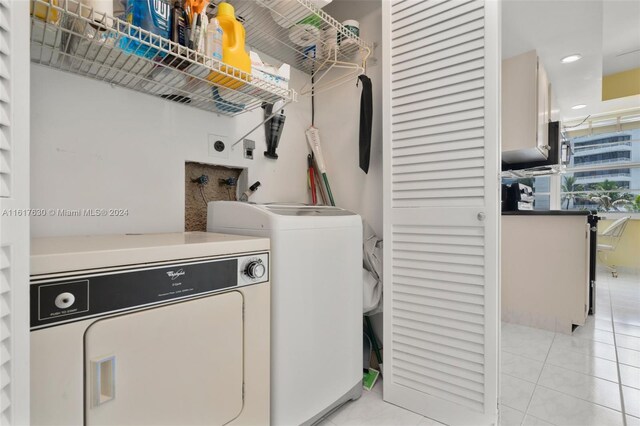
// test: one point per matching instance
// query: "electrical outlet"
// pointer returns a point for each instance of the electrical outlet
(248, 147)
(218, 146)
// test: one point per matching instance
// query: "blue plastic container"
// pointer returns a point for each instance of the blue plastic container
(150, 15)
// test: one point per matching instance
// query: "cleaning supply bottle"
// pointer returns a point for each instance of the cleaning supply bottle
(150, 15)
(233, 51)
(45, 12)
(179, 24)
(97, 9)
(213, 43)
(202, 37)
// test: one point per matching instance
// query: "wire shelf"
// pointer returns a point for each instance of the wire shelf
(533, 172)
(299, 33)
(72, 37)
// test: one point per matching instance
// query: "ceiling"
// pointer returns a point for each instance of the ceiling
(621, 36)
(556, 29)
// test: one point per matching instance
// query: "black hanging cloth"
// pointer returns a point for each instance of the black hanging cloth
(366, 119)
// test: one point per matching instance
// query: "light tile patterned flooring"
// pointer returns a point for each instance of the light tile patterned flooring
(589, 378)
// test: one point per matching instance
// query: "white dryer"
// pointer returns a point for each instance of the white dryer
(168, 329)
(316, 302)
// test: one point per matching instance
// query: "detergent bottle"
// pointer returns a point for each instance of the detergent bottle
(233, 52)
(150, 15)
(46, 12)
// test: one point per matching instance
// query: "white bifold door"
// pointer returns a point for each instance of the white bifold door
(441, 206)
(14, 212)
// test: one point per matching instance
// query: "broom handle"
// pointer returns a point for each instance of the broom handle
(321, 187)
(326, 183)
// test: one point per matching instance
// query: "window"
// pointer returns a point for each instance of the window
(610, 156)
(604, 173)
(600, 141)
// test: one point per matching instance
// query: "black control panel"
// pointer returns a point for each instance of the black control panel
(57, 301)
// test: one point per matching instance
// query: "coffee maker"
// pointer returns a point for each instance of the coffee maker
(517, 197)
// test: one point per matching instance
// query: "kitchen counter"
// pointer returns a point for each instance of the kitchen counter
(548, 213)
(545, 269)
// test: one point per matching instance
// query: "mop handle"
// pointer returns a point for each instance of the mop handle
(321, 188)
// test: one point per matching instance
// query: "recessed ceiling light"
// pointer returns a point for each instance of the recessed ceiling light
(578, 106)
(571, 58)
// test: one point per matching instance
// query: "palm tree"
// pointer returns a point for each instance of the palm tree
(606, 204)
(609, 198)
(569, 187)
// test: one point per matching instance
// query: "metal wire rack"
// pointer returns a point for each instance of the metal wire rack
(299, 33)
(72, 37)
(533, 172)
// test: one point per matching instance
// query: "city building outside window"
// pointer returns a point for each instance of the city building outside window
(604, 173)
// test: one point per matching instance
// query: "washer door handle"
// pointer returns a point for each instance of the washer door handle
(103, 378)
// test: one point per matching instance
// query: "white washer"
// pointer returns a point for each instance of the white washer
(166, 329)
(316, 302)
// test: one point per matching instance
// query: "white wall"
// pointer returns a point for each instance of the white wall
(338, 118)
(98, 146)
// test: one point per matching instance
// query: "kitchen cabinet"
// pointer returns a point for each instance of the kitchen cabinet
(545, 269)
(525, 109)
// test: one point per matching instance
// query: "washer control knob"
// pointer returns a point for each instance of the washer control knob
(64, 300)
(255, 269)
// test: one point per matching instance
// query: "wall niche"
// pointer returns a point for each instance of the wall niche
(204, 183)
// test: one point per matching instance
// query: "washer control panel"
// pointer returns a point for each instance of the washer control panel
(86, 294)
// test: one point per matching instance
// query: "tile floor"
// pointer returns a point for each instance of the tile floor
(589, 378)
(370, 409)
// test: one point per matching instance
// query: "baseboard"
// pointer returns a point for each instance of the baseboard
(354, 393)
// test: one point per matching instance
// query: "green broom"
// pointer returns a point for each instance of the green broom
(313, 139)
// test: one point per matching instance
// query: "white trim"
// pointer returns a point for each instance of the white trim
(555, 198)
(610, 118)
(493, 158)
(14, 231)
(598, 191)
(611, 166)
(386, 170)
(618, 215)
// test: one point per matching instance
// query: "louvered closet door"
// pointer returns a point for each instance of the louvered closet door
(14, 221)
(441, 201)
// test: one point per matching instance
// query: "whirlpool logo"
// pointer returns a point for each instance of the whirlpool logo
(175, 274)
